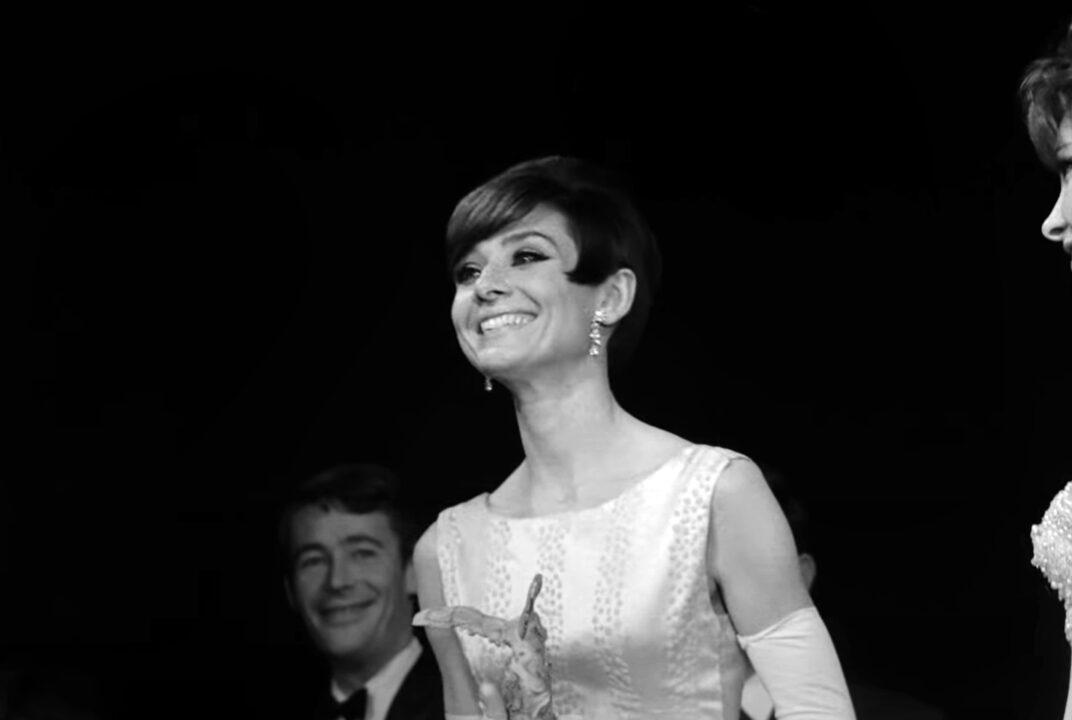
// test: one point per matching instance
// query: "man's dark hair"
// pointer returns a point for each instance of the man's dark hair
(356, 488)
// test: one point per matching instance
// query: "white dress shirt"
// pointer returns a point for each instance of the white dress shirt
(384, 685)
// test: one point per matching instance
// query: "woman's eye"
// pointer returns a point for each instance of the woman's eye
(525, 257)
(466, 274)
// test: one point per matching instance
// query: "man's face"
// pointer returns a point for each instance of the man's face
(350, 585)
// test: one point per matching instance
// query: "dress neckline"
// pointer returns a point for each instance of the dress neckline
(484, 499)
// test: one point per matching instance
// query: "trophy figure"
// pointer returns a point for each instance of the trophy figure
(526, 683)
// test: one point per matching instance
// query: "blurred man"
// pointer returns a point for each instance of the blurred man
(349, 576)
(870, 703)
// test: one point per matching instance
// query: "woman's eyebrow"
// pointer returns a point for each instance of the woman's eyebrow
(520, 235)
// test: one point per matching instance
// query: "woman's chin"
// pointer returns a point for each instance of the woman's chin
(497, 360)
(499, 371)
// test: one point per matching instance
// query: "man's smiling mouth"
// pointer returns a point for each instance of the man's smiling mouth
(344, 613)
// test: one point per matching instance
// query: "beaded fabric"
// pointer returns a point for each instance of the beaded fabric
(633, 630)
(1052, 539)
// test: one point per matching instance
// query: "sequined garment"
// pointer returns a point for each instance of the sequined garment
(1052, 539)
(632, 631)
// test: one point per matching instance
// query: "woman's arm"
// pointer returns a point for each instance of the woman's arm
(459, 688)
(753, 560)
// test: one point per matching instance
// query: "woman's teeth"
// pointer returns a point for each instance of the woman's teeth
(507, 320)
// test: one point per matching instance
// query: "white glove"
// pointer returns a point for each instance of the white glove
(796, 660)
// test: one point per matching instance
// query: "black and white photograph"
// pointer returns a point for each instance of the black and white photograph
(560, 361)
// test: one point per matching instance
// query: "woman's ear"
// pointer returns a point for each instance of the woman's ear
(616, 295)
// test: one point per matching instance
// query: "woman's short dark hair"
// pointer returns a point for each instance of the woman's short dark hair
(357, 488)
(609, 231)
(1046, 93)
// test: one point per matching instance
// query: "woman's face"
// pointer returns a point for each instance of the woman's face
(1058, 225)
(514, 309)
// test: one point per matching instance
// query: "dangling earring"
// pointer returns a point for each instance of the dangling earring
(487, 384)
(595, 333)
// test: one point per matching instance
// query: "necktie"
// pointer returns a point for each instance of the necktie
(352, 709)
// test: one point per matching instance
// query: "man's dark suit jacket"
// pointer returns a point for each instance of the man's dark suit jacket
(419, 698)
(421, 694)
(295, 687)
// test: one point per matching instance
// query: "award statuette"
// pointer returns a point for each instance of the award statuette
(526, 683)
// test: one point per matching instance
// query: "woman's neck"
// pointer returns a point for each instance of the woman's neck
(568, 430)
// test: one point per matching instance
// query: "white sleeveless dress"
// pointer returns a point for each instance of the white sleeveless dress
(1052, 542)
(632, 630)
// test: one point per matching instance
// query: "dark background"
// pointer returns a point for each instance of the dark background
(232, 228)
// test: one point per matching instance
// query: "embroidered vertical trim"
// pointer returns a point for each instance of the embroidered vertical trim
(607, 625)
(551, 563)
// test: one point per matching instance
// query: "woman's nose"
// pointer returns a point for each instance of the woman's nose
(492, 282)
(1056, 225)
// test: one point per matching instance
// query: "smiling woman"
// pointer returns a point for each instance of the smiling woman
(515, 308)
(561, 198)
(660, 559)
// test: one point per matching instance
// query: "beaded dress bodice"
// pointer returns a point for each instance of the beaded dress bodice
(632, 630)
(1052, 541)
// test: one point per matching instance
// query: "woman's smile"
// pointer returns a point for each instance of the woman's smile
(515, 308)
(504, 322)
